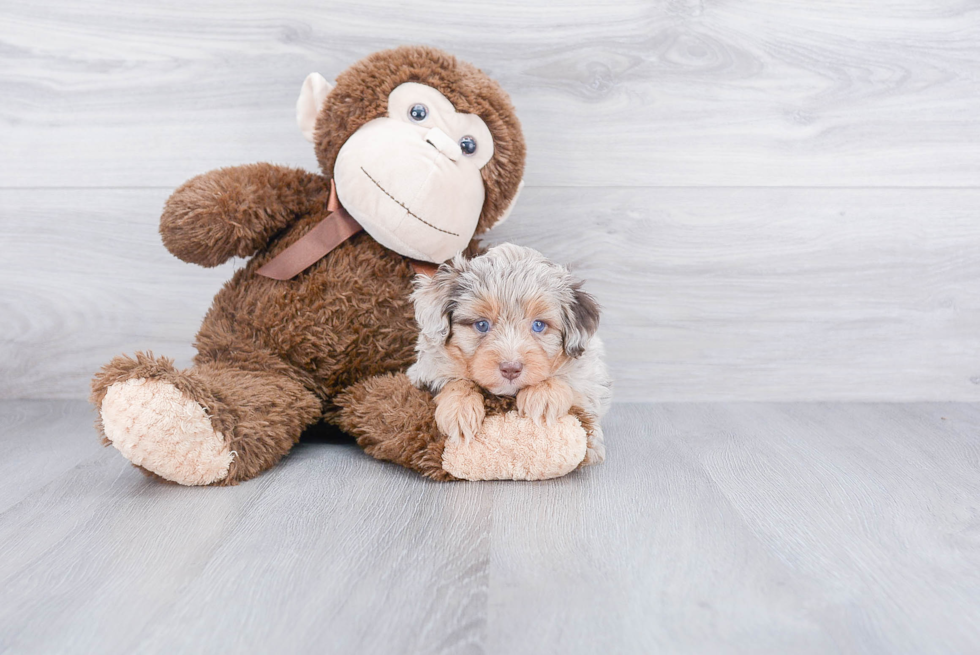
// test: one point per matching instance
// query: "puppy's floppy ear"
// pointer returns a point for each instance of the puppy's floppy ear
(433, 298)
(580, 320)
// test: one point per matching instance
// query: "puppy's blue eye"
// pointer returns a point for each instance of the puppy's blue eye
(482, 326)
(418, 113)
(538, 326)
(468, 145)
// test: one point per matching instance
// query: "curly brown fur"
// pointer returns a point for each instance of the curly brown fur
(345, 318)
(264, 343)
(393, 421)
(233, 212)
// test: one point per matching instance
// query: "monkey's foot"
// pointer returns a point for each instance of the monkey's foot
(158, 428)
(508, 447)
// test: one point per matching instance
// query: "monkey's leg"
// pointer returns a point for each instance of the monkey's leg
(209, 424)
(393, 421)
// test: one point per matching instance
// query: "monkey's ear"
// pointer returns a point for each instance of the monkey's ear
(311, 97)
(434, 299)
(580, 320)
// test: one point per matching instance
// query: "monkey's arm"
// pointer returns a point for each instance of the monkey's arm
(235, 211)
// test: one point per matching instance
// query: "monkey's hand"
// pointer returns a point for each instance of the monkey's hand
(459, 410)
(545, 402)
(235, 211)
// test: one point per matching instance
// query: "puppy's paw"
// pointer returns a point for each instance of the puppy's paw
(459, 410)
(595, 453)
(545, 402)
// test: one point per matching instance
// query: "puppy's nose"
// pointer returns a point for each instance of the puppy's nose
(511, 370)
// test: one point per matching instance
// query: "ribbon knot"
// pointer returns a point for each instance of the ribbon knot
(333, 230)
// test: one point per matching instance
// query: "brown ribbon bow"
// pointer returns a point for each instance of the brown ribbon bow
(326, 235)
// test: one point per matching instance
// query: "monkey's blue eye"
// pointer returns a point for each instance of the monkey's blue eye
(482, 326)
(468, 145)
(418, 112)
(538, 326)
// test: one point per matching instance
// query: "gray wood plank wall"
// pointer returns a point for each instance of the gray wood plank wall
(772, 200)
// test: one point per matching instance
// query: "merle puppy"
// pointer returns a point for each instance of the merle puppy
(516, 324)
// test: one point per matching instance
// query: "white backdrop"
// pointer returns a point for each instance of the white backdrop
(772, 200)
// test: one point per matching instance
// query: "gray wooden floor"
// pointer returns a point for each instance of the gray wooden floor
(712, 528)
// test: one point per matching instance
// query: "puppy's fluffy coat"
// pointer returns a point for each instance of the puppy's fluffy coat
(514, 323)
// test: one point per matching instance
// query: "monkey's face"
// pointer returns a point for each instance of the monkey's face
(412, 177)
(426, 150)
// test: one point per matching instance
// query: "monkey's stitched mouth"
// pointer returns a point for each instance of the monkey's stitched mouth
(402, 205)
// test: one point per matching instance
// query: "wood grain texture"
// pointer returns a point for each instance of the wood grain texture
(774, 294)
(86, 277)
(723, 294)
(775, 200)
(329, 552)
(637, 93)
(36, 450)
(749, 528)
(722, 528)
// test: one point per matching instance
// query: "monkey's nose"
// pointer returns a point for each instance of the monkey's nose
(443, 143)
(511, 370)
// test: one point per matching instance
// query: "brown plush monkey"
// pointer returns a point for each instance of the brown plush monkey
(424, 151)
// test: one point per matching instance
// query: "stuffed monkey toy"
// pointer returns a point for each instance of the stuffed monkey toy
(419, 152)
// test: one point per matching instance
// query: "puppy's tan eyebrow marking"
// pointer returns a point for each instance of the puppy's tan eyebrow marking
(488, 308)
(402, 205)
(539, 308)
